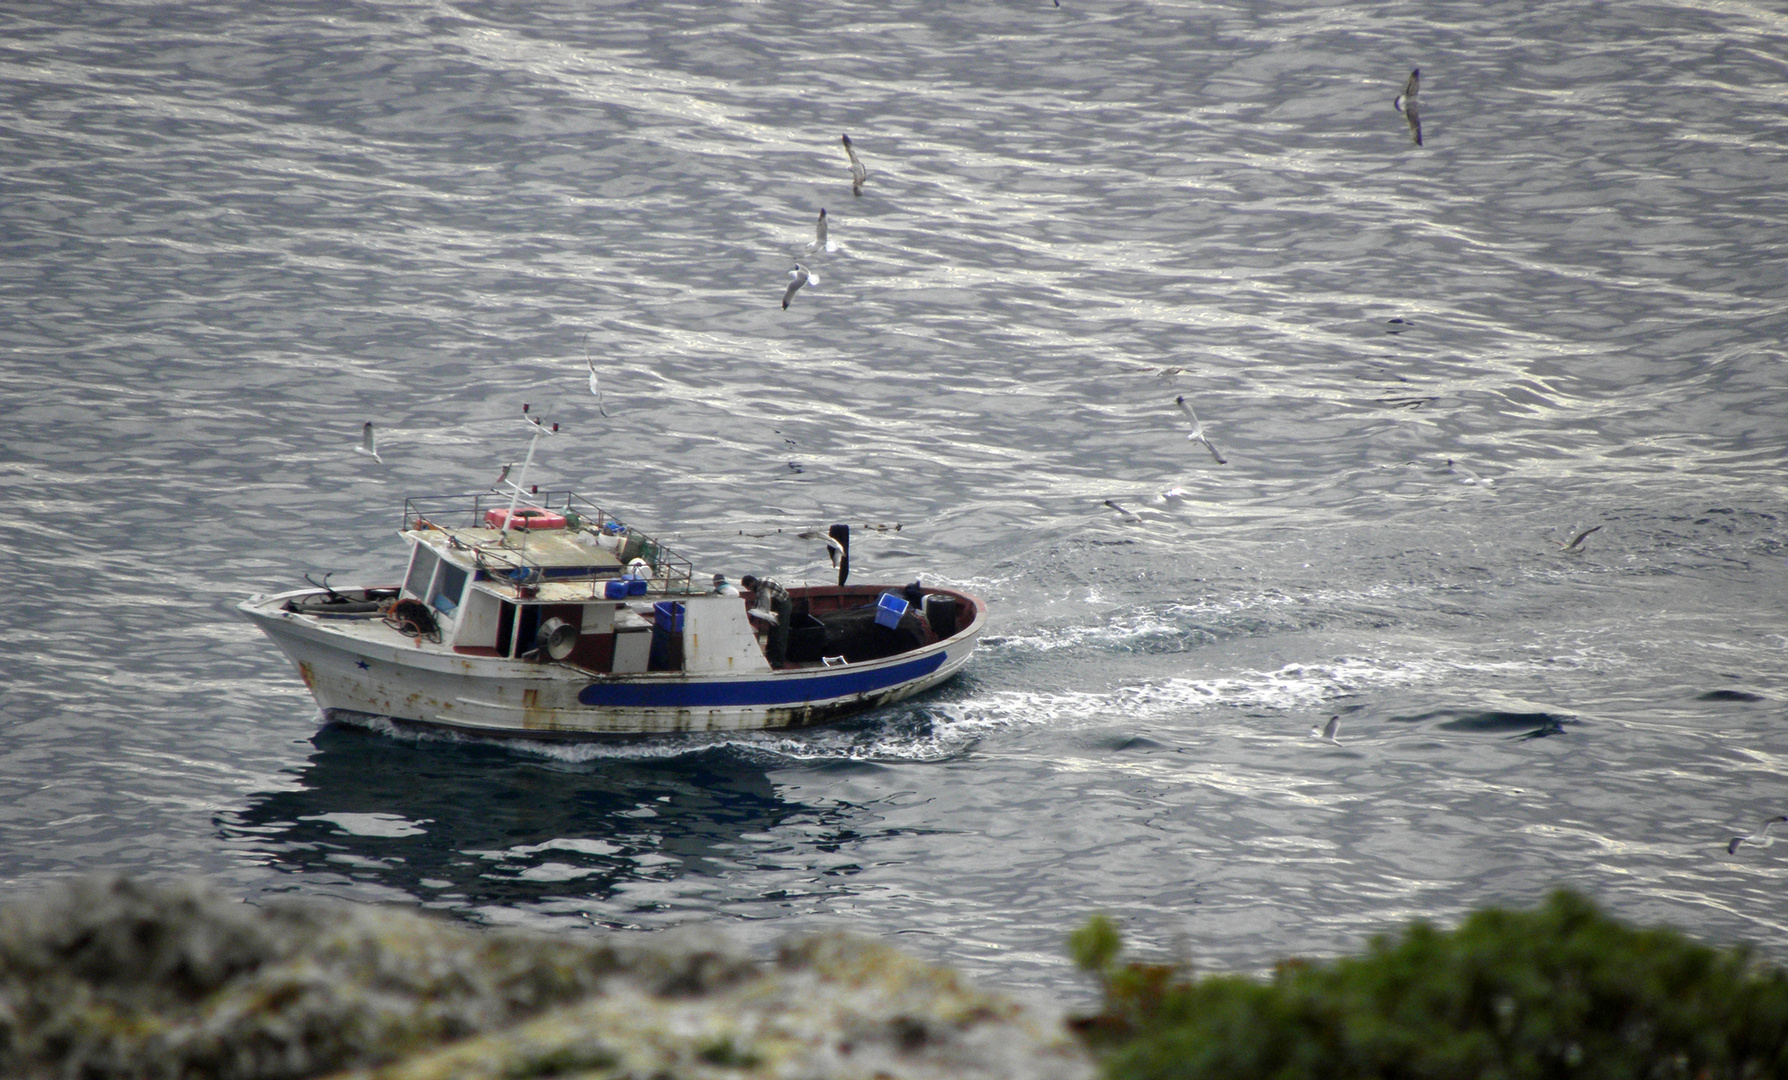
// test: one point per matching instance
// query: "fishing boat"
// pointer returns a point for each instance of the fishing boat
(542, 614)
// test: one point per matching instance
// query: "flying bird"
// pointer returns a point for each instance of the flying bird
(1124, 513)
(369, 443)
(1405, 103)
(1761, 838)
(802, 276)
(834, 549)
(858, 172)
(595, 383)
(820, 242)
(596, 387)
(1575, 544)
(1466, 475)
(1197, 432)
(1327, 731)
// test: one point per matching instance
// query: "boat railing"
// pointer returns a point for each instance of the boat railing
(670, 572)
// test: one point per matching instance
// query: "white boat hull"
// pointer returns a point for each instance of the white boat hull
(409, 680)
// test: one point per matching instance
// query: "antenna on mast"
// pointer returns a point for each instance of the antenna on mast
(518, 486)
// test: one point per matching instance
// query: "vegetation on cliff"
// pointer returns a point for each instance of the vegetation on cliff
(1562, 991)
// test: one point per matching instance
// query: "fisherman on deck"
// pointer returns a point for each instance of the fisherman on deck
(722, 587)
(772, 604)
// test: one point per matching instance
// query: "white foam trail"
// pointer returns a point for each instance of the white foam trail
(1293, 688)
(1188, 619)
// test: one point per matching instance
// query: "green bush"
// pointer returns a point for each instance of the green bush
(1563, 991)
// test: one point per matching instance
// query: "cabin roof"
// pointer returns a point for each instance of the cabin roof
(555, 549)
(586, 545)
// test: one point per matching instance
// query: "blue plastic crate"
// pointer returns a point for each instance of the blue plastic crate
(888, 610)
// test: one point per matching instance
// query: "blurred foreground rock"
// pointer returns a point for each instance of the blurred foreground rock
(110, 977)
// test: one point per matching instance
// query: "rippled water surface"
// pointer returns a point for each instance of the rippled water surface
(234, 232)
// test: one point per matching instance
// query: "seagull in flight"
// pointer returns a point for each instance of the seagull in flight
(1124, 513)
(802, 276)
(1469, 477)
(858, 172)
(1574, 546)
(595, 383)
(834, 549)
(1327, 731)
(820, 242)
(1197, 432)
(1761, 838)
(1405, 103)
(369, 443)
(596, 387)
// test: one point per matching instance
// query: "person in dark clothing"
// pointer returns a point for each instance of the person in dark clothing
(771, 602)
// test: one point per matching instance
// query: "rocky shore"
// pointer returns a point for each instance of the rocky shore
(110, 977)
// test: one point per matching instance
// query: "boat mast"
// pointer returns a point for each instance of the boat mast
(518, 486)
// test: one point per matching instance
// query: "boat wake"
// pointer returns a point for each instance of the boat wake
(1288, 689)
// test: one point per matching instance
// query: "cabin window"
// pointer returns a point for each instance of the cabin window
(422, 571)
(505, 627)
(527, 628)
(450, 584)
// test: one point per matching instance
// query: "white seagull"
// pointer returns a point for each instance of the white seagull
(802, 276)
(1197, 432)
(1327, 731)
(1761, 838)
(1124, 513)
(1405, 103)
(858, 172)
(834, 549)
(820, 242)
(369, 443)
(596, 387)
(1466, 475)
(595, 383)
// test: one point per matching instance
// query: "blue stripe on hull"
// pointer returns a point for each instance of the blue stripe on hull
(768, 691)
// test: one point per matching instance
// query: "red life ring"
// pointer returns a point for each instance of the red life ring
(527, 517)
